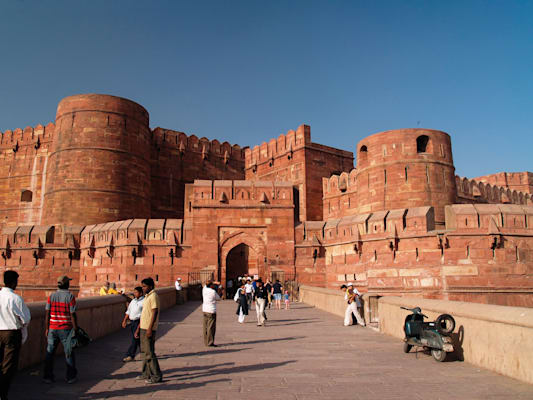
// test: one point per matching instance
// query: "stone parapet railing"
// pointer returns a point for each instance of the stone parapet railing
(494, 337)
(98, 316)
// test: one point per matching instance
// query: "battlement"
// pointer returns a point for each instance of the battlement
(284, 145)
(27, 135)
(181, 142)
(520, 181)
(337, 185)
(470, 190)
(242, 192)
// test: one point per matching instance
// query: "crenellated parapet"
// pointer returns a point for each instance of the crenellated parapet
(221, 193)
(519, 181)
(472, 191)
(182, 144)
(284, 146)
(27, 136)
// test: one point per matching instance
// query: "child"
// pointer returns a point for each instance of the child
(286, 298)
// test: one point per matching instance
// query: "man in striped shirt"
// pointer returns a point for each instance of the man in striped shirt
(61, 326)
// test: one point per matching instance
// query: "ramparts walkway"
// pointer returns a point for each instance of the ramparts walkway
(303, 353)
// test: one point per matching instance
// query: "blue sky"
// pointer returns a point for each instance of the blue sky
(246, 71)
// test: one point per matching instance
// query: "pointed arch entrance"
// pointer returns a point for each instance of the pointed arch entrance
(242, 252)
(240, 260)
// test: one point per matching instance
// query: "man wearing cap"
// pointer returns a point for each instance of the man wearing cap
(14, 317)
(61, 325)
(352, 297)
(177, 284)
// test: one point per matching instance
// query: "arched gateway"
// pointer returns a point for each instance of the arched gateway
(242, 254)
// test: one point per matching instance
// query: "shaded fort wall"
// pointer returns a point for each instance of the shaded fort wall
(23, 163)
(294, 158)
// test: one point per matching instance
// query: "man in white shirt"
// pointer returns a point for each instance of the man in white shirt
(209, 308)
(14, 316)
(249, 290)
(178, 284)
(133, 313)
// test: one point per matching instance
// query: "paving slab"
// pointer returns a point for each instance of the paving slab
(302, 354)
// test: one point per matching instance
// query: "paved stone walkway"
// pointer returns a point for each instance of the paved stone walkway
(303, 354)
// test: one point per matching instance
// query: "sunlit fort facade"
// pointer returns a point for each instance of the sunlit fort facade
(100, 196)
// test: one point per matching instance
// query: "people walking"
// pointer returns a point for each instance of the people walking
(133, 314)
(351, 296)
(14, 319)
(261, 297)
(277, 290)
(146, 331)
(249, 289)
(61, 326)
(242, 307)
(286, 299)
(209, 309)
(268, 287)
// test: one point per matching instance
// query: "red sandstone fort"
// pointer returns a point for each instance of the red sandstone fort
(100, 196)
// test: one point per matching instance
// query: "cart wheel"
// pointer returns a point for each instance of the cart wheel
(407, 347)
(445, 324)
(438, 355)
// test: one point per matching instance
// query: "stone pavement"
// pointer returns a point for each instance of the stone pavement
(303, 354)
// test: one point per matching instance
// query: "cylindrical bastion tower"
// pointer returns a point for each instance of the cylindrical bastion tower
(406, 168)
(99, 165)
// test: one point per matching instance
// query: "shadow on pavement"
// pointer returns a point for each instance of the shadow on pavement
(200, 353)
(99, 359)
(263, 341)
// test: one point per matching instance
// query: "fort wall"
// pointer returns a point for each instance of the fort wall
(484, 254)
(99, 162)
(294, 158)
(177, 159)
(519, 181)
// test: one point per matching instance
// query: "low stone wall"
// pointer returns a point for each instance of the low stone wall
(494, 337)
(326, 299)
(498, 338)
(98, 316)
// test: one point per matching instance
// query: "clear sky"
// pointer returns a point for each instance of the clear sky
(246, 71)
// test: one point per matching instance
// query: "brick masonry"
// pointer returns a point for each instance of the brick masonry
(102, 197)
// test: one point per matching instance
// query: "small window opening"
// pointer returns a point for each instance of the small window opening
(422, 143)
(26, 196)
(157, 278)
(406, 174)
(363, 154)
(136, 277)
(468, 251)
(416, 251)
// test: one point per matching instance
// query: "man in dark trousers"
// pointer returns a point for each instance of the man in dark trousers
(61, 325)
(133, 314)
(146, 331)
(14, 317)
(209, 308)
